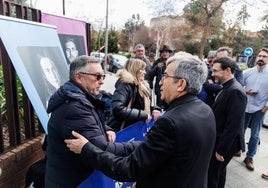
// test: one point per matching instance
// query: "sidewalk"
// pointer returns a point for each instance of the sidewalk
(238, 176)
(109, 82)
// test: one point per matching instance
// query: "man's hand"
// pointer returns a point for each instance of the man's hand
(156, 114)
(111, 136)
(160, 64)
(210, 81)
(219, 157)
(149, 117)
(264, 109)
(76, 145)
(251, 92)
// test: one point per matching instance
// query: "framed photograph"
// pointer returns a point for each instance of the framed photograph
(73, 46)
(72, 35)
(37, 56)
(44, 68)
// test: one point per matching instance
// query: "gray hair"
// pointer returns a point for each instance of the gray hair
(192, 69)
(227, 49)
(139, 46)
(79, 63)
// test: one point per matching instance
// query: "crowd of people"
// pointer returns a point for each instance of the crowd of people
(193, 138)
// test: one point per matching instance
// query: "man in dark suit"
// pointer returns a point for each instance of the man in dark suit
(229, 110)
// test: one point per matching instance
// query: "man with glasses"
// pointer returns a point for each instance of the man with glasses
(229, 110)
(76, 105)
(177, 149)
(256, 85)
(210, 86)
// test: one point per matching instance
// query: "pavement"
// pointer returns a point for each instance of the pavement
(238, 176)
(109, 82)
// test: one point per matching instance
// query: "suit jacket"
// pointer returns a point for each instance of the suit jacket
(176, 151)
(229, 110)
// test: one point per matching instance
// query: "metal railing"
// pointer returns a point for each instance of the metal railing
(18, 121)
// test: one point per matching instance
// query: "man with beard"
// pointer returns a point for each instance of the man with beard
(229, 110)
(70, 50)
(256, 85)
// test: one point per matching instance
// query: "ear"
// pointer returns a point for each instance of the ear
(229, 70)
(78, 78)
(181, 85)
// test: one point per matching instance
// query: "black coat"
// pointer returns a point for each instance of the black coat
(126, 92)
(229, 110)
(72, 108)
(176, 151)
(157, 73)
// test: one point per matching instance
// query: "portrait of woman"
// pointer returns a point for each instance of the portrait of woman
(46, 68)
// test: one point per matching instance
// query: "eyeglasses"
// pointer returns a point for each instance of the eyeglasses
(165, 76)
(215, 70)
(97, 75)
(262, 56)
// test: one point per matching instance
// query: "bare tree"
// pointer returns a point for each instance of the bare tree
(99, 26)
(164, 10)
(158, 30)
(202, 13)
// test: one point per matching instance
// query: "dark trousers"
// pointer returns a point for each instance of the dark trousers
(217, 169)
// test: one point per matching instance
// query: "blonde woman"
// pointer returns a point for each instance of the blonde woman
(131, 98)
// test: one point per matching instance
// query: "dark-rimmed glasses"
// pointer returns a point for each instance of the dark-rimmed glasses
(215, 70)
(165, 75)
(97, 75)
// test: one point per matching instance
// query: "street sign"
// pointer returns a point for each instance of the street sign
(248, 51)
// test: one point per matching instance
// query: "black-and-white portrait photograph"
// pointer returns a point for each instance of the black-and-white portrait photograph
(46, 68)
(33, 57)
(73, 46)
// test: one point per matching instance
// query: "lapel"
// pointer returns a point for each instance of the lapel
(222, 92)
(218, 97)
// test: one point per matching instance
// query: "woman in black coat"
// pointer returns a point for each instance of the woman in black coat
(131, 98)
